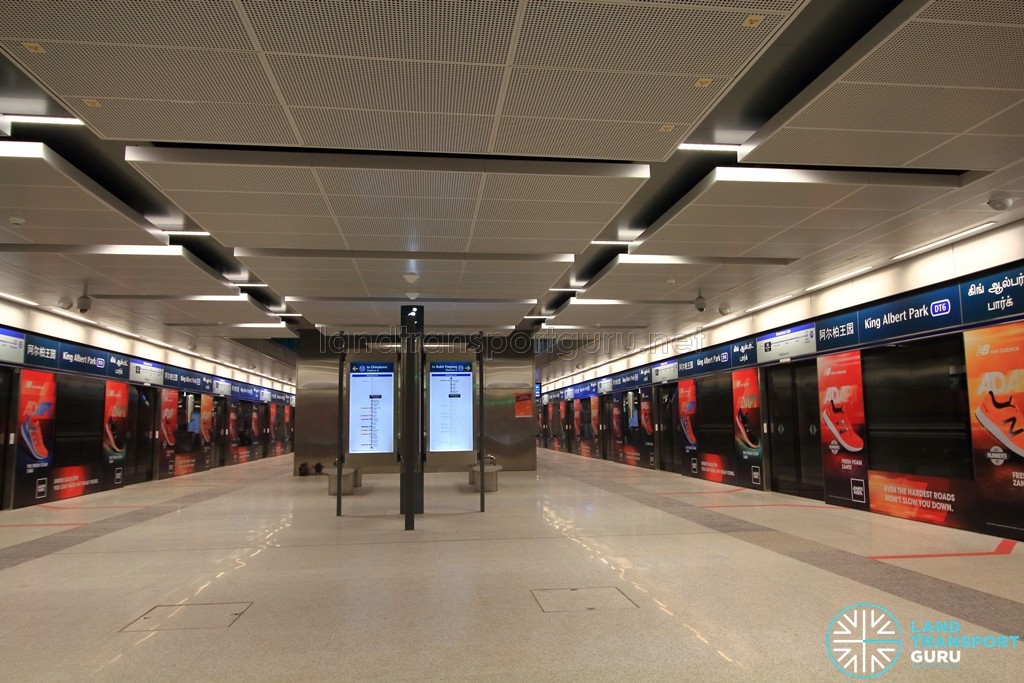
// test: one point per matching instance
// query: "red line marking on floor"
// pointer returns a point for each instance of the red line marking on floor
(12, 526)
(777, 505)
(1005, 547)
(679, 493)
(89, 507)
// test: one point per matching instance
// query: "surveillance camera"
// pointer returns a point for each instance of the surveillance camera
(83, 304)
(1000, 203)
(701, 304)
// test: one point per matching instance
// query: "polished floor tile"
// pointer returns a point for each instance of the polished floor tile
(683, 580)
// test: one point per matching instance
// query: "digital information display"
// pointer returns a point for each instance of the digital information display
(371, 407)
(792, 341)
(451, 406)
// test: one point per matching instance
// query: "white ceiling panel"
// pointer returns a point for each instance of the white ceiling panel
(369, 182)
(404, 131)
(772, 194)
(281, 226)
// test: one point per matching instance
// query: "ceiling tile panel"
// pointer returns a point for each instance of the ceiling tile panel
(253, 203)
(762, 216)
(895, 198)
(75, 70)
(409, 242)
(346, 83)
(922, 109)
(604, 96)
(627, 141)
(403, 207)
(579, 233)
(270, 240)
(42, 197)
(476, 31)
(851, 148)
(847, 218)
(958, 55)
(539, 187)
(388, 183)
(404, 227)
(199, 122)
(635, 37)
(230, 177)
(581, 212)
(704, 233)
(402, 131)
(512, 244)
(199, 23)
(774, 194)
(973, 152)
(281, 226)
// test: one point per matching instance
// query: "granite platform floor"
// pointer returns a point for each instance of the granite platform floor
(584, 570)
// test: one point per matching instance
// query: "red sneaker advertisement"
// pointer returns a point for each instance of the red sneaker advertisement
(78, 480)
(995, 383)
(631, 432)
(115, 424)
(257, 437)
(206, 428)
(714, 467)
(275, 436)
(688, 416)
(746, 405)
(844, 457)
(168, 429)
(36, 399)
(936, 500)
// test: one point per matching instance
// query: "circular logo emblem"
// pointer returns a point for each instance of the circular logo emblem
(996, 455)
(833, 447)
(864, 640)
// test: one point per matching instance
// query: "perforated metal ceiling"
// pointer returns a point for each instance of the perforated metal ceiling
(478, 109)
(537, 77)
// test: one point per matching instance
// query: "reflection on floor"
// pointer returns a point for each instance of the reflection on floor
(683, 580)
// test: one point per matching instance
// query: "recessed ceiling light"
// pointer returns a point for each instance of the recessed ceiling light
(536, 317)
(766, 304)
(612, 243)
(242, 285)
(287, 315)
(410, 277)
(840, 278)
(944, 240)
(566, 289)
(189, 233)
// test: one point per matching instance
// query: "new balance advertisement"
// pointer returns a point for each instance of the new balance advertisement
(687, 418)
(36, 400)
(844, 457)
(995, 382)
(937, 500)
(168, 430)
(746, 403)
(645, 443)
(618, 434)
(638, 431)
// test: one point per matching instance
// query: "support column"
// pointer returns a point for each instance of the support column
(411, 406)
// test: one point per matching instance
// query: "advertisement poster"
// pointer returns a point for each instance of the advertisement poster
(168, 432)
(238, 450)
(554, 428)
(78, 480)
(287, 429)
(843, 435)
(995, 385)
(687, 418)
(524, 404)
(936, 500)
(206, 428)
(632, 439)
(275, 434)
(577, 426)
(618, 435)
(257, 436)
(36, 402)
(589, 427)
(115, 428)
(746, 404)
(645, 444)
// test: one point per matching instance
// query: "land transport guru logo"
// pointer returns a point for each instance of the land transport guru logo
(866, 640)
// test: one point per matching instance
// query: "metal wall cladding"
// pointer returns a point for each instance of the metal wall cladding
(508, 370)
(316, 410)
